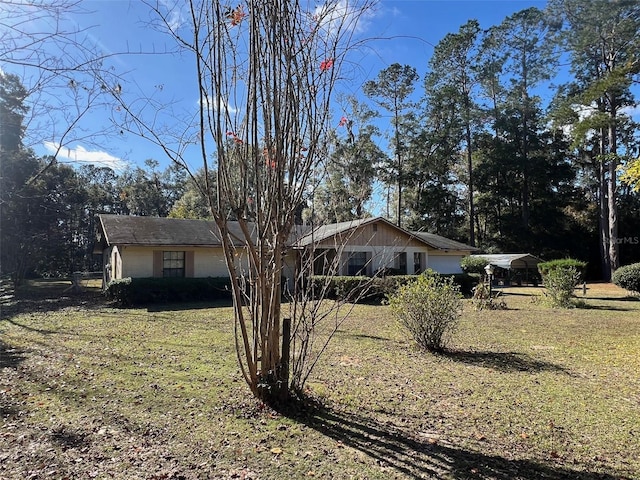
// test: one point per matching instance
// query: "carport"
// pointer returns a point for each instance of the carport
(514, 268)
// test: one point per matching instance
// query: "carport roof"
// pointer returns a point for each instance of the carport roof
(511, 261)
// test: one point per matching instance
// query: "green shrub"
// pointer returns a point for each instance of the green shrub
(120, 291)
(473, 265)
(628, 277)
(141, 291)
(376, 289)
(560, 284)
(337, 287)
(429, 308)
(560, 278)
(564, 263)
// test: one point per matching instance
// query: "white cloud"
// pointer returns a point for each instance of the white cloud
(79, 154)
(340, 14)
(633, 112)
(173, 15)
(225, 107)
(583, 112)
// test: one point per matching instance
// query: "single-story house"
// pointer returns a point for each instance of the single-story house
(513, 268)
(162, 247)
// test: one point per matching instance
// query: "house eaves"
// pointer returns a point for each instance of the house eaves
(442, 243)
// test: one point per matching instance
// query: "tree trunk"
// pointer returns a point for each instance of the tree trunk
(399, 160)
(472, 211)
(603, 218)
(525, 144)
(612, 194)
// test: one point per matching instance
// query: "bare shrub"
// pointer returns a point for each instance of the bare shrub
(484, 299)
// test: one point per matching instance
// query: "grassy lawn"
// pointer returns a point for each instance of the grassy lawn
(89, 391)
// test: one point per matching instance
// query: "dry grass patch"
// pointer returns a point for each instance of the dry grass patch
(87, 391)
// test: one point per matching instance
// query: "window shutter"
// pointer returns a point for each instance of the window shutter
(189, 264)
(157, 263)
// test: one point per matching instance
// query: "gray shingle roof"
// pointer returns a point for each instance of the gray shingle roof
(132, 230)
(327, 231)
(155, 231)
(443, 243)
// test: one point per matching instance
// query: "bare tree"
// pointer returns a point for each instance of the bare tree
(265, 74)
(65, 73)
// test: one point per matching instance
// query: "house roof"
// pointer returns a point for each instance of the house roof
(431, 240)
(511, 260)
(132, 230)
(156, 231)
(443, 243)
(323, 232)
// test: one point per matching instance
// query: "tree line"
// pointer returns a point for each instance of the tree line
(482, 156)
(48, 209)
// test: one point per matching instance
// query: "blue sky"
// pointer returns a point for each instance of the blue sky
(402, 31)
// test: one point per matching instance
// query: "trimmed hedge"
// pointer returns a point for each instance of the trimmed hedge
(144, 291)
(565, 263)
(141, 291)
(357, 288)
(628, 277)
(474, 264)
(376, 289)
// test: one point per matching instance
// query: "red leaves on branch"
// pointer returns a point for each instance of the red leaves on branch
(236, 15)
(325, 65)
(235, 137)
(268, 160)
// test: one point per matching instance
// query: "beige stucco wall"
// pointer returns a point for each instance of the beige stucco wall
(137, 262)
(209, 262)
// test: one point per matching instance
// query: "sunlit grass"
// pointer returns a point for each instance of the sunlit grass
(143, 393)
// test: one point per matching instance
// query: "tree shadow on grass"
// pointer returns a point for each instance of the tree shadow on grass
(628, 298)
(415, 456)
(43, 331)
(50, 296)
(183, 306)
(68, 438)
(10, 357)
(364, 336)
(607, 308)
(503, 361)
